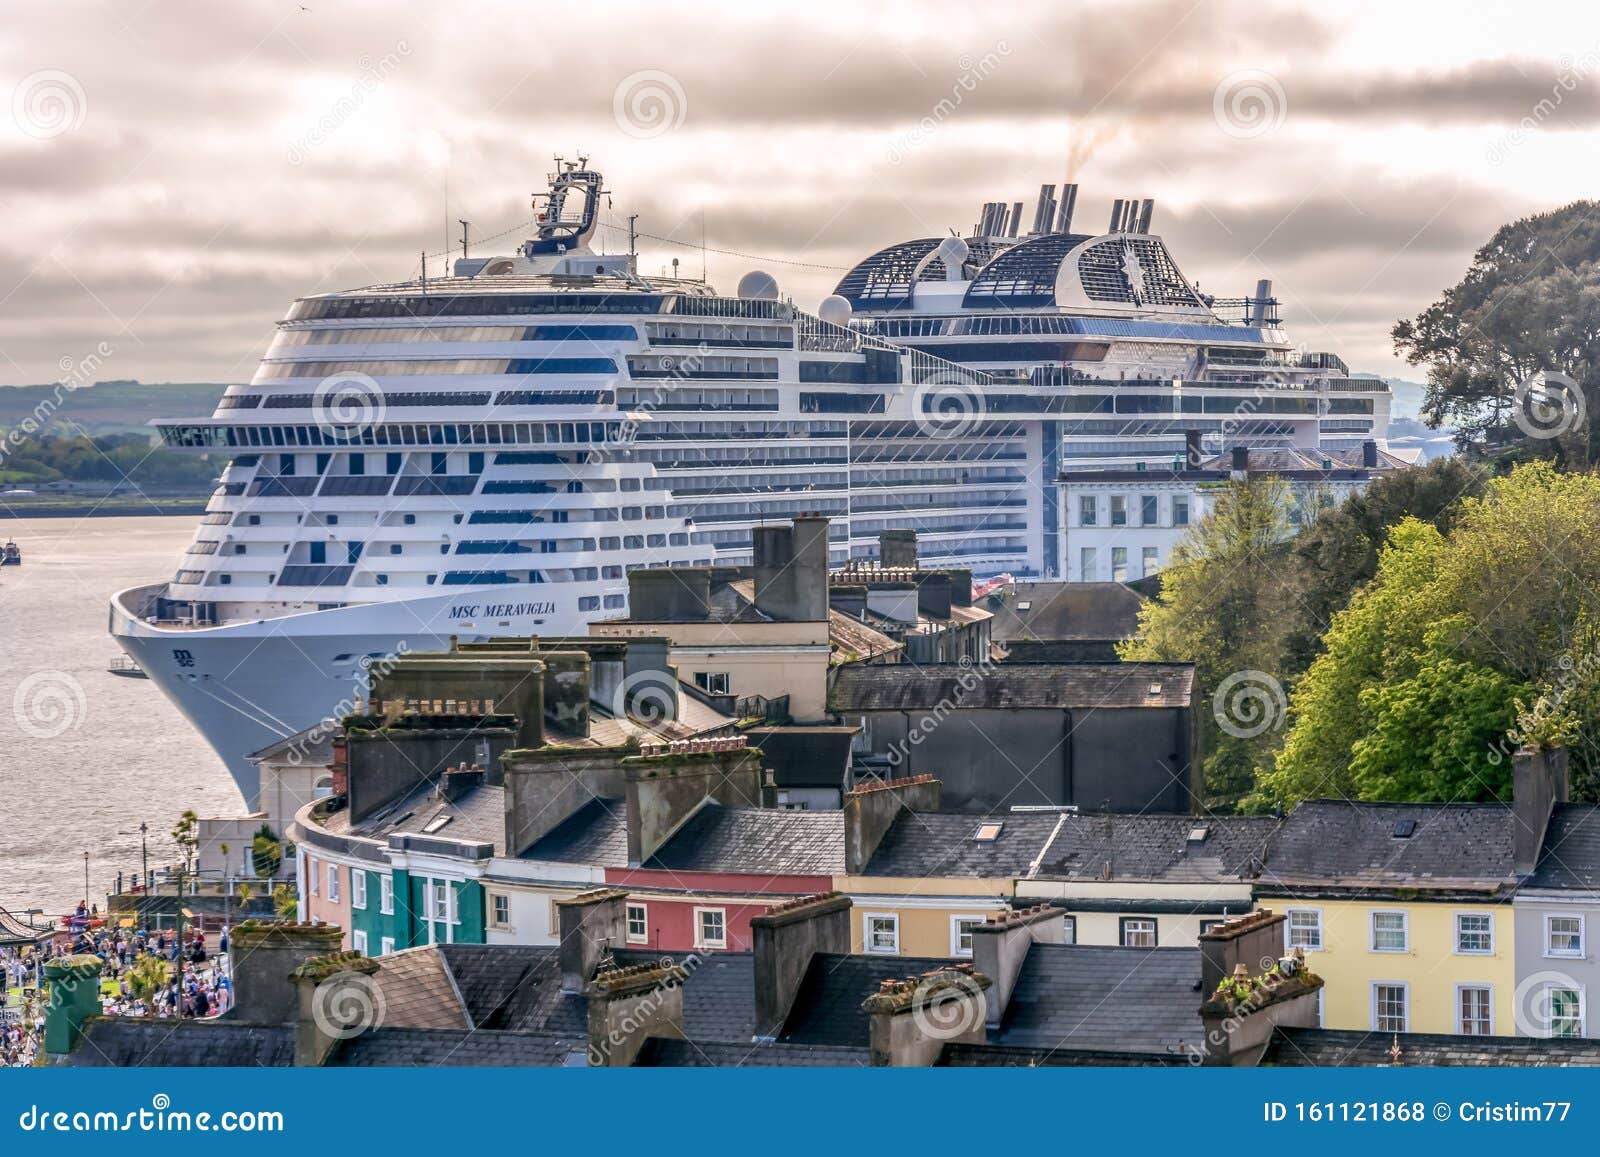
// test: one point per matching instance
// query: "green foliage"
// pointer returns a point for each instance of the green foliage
(1438, 667)
(148, 976)
(1528, 303)
(284, 902)
(1220, 597)
(186, 834)
(132, 459)
(266, 852)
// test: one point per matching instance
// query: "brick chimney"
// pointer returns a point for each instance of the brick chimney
(897, 549)
(1369, 454)
(1000, 948)
(591, 924)
(340, 767)
(666, 783)
(628, 1006)
(1193, 450)
(1241, 460)
(871, 809)
(912, 1020)
(1539, 781)
(264, 953)
(337, 1000)
(791, 569)
(783, 940)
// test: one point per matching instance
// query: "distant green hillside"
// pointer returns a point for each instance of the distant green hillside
(107, 407)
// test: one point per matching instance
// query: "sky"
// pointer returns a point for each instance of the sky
(173, 175)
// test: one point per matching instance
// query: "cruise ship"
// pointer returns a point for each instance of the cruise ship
(490, 452)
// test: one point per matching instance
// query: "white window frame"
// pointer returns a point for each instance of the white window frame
(1289, 929)
(1372, 929)
(314, 870)
(644, 918)
(866, 933)
(955, 932)
(386, 894)
(333, 883)
(1583, 935)
(700, 938)
(1460, 951)
(1583, 1009)
(1069, 929)
(1125, 924)
(358, 889)
(1461, 1027)
(385, 945)
(495, 922)
(358, 941)
(1405, 989)
(441, 890)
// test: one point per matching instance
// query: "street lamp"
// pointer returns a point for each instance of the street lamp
(144, 852)
(86, 879)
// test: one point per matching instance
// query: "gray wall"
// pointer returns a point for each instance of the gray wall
(1536, 970)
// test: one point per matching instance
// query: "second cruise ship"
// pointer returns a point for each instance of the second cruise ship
(489, 453)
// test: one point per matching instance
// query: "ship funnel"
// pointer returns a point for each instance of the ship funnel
(1015, 219)
(1259, 306)
(1116, 216)
(1069, 201)
(1146, 208)
(1044, 212)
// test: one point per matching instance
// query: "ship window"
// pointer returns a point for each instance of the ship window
(588, 603)
(383, 580)
(410, 520)
(395, 548)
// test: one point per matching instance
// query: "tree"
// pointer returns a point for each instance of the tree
(186, 834)
(1529, 303)
(1452, 647)
(284, 902)
(266, 853)
(1221, 608)
(148, 976)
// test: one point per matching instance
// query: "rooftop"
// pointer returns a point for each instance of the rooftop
(1013, 686)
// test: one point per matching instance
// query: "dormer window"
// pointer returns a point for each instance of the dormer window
(989, 832)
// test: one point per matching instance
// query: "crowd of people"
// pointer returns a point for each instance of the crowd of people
(195, 982)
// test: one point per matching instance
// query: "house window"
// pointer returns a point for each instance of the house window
(1119, 564)
(333, 883)
(1149, 561)
(1303, 929)
(961, 934)
(1119, 510)
(711, 928)
(441, 902)
(1180, 511)
(358, 941)
(1086, 563)
(499, 910)
(712, 682)
(1070, 935)
(1148, 514)
(1474, 1010)
(1389, 932)
(1138, 932)
(883, 932)
(1565, 1007)
(1563, 935)
(312, 870)
(358, 888)
(1086, 509)
(1474, 933)
(1389, 1012)
(386, 946)
(386, 895)
(638, 924)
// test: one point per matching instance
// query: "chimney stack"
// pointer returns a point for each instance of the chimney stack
(912, 1020)
(1045, 211)
(791, 570)
(628, 1006)
(784, 939)
(1369, 454)
(1260, 303)
(1015, 219)
(667, 783)
(1000, 948)
(669, 594)
(1539, 781)
(1241, 460)
(897, 549)
(1247, 940)
(264, 954)
(591, 924)
(351, 1006)
(871, 809)
(1069, 201)
(1193, 449)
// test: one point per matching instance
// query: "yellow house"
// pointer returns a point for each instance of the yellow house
(1404, 910)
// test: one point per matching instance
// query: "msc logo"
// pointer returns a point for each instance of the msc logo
(183, 657)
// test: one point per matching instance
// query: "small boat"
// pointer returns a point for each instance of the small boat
(10, 554)
(122, 665)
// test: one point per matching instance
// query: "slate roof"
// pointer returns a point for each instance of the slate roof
(924, 844)
(827, 1008)
(1105, 997)
(756, 841)
(719, 996)
(1329, 1048)
(1157, 847)
(853, 641)
(136, 1042)
(1340, 843)
(509, 987)
(313, 746)
(478, 816)
(694, 1054)
(418, 992)
(429, 1048)
(1073, 686)
(1064, 612)
(1571, 854)
(973, 1056)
